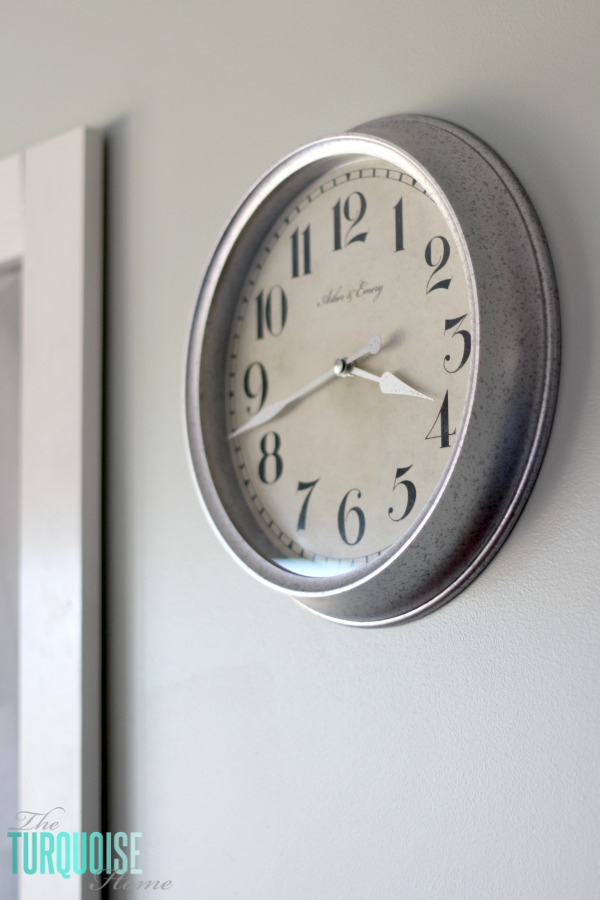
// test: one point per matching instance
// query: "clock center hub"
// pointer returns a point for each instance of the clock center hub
(341, 367)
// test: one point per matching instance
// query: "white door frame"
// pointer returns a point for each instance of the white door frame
(51, 229)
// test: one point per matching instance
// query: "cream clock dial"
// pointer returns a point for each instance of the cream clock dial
(344, 471)
(372, 369)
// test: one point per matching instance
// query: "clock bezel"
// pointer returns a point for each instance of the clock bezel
(411, 577)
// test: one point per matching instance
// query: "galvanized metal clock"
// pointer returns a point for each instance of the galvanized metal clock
(372, 369)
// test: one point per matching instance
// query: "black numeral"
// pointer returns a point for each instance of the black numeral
(301, 253)
(305, 486)
(351, 213)
(271, 464)
(399, 225)
(443, 418)
(465, 335)
(256, 384)
(437, 262)
(271, 313)
(343, 516)
(411, 494)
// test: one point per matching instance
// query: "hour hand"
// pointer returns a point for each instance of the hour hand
(388, 383)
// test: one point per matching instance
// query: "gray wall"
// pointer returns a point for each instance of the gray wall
(263, 753)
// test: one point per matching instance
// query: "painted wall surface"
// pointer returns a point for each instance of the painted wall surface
(265, 754)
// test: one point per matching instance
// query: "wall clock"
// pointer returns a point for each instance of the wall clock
(372, 369)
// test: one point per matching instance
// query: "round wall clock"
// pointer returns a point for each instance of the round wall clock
(372, 369)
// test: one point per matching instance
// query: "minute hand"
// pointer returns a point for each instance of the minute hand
(388, 383)
(273, 409)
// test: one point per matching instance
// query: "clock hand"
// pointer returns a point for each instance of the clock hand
(388, 383)
(273, 409)
(373, 347)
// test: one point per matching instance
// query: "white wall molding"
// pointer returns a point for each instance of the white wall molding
(51, 226)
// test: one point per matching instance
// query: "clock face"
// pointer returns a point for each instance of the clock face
(348, 367)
